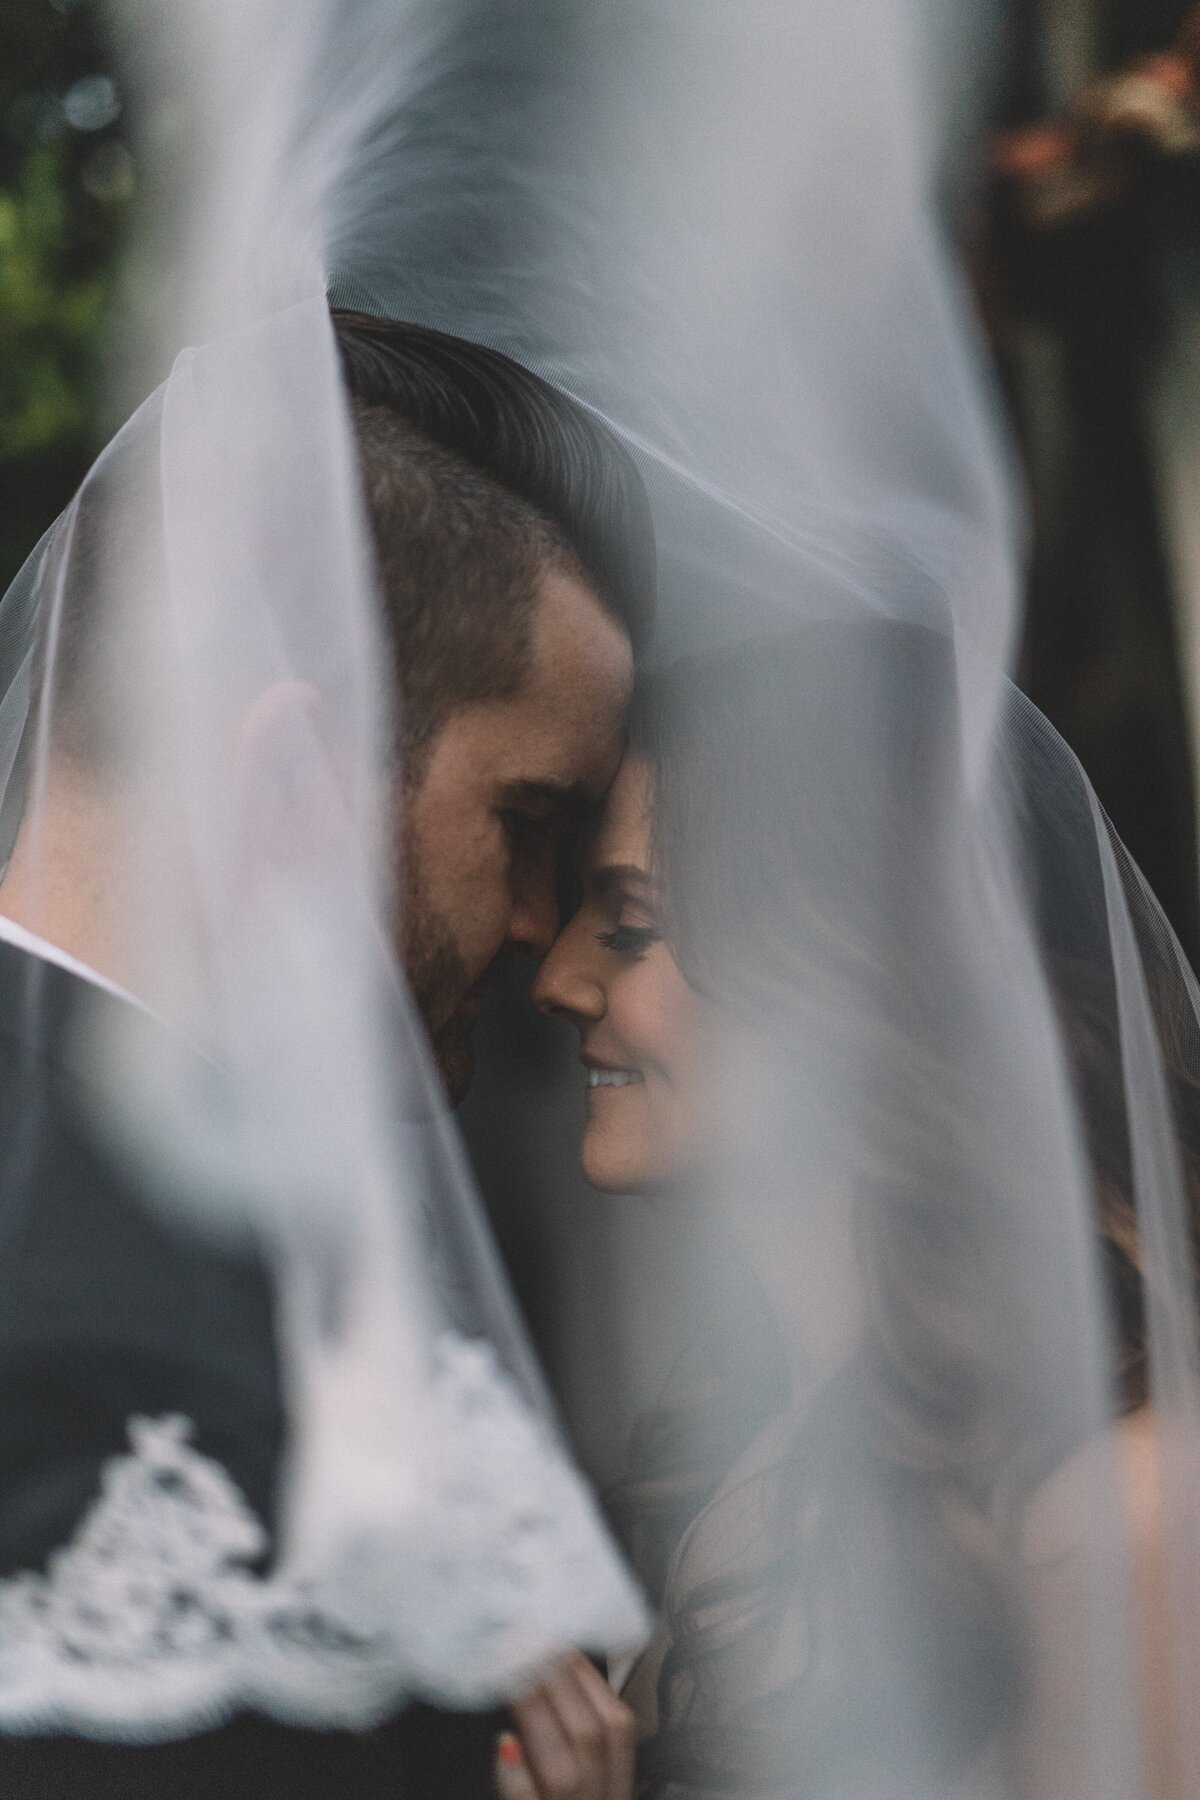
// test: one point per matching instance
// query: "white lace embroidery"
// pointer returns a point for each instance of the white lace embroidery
(153, 1622)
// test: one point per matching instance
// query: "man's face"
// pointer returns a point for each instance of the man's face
(484, 820)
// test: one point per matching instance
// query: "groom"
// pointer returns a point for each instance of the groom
(515, 557)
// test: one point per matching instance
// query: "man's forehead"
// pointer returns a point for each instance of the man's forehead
(554, 750)
(582, 658)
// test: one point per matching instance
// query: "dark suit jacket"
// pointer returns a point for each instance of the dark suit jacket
(107, 1309)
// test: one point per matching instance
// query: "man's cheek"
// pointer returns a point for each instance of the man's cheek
(485, 921)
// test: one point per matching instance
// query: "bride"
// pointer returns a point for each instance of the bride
(871, 1527)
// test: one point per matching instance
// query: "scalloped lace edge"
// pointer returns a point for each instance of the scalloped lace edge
(154, 1622)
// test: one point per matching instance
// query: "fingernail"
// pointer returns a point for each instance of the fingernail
(508, 1749)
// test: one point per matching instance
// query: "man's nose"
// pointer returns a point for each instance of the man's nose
(534, 923)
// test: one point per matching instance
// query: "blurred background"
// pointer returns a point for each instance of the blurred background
(1076, 210)
(67, 183)
(1087, 254)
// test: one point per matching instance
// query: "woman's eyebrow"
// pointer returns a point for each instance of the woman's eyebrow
(617, 875)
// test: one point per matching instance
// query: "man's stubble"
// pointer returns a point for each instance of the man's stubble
(439, 980)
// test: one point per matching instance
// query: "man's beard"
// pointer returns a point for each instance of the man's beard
(440, 981)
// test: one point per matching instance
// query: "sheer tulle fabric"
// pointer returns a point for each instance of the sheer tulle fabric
(894, 1543)
(953, 1141)
(956, 1037)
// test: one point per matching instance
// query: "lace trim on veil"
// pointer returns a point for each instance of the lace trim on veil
(153, 1622)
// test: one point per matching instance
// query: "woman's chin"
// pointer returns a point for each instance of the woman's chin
(606, 1175)
(612, 1167)
(608, 1165)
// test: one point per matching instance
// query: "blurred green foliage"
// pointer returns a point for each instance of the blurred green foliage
(66, 182)
(50, 322)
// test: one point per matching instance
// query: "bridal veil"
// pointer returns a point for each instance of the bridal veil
(954, 1018)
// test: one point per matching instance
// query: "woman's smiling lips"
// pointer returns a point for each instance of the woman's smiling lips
(609, 1075)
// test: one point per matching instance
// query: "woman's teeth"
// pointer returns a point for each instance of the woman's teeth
(613, 1077)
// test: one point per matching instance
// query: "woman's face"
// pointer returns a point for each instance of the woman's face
(646, 1037)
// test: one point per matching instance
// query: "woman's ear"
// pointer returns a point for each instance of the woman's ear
(290, 799)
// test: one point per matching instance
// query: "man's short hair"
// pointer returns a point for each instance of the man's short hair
(479, 477)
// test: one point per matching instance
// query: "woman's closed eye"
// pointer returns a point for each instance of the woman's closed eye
(629, 940)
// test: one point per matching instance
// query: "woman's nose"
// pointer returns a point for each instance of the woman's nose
(565, 987)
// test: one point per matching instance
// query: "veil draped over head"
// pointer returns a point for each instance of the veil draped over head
(954, 1131)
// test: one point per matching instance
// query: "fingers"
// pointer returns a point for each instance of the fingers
(561, 1770)
(617, 1724)
(582, 1726)
(576, 1739)
(510, 1771)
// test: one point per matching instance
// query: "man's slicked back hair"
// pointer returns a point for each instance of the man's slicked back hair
(479, 476)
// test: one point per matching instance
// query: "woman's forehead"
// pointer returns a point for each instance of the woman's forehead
(623, 829)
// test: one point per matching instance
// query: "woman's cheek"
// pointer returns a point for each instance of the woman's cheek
(677, 1039)
(650, 1015)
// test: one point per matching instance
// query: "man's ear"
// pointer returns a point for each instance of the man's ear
(292, 804)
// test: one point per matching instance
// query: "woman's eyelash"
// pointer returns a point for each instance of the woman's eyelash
(629, 939)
